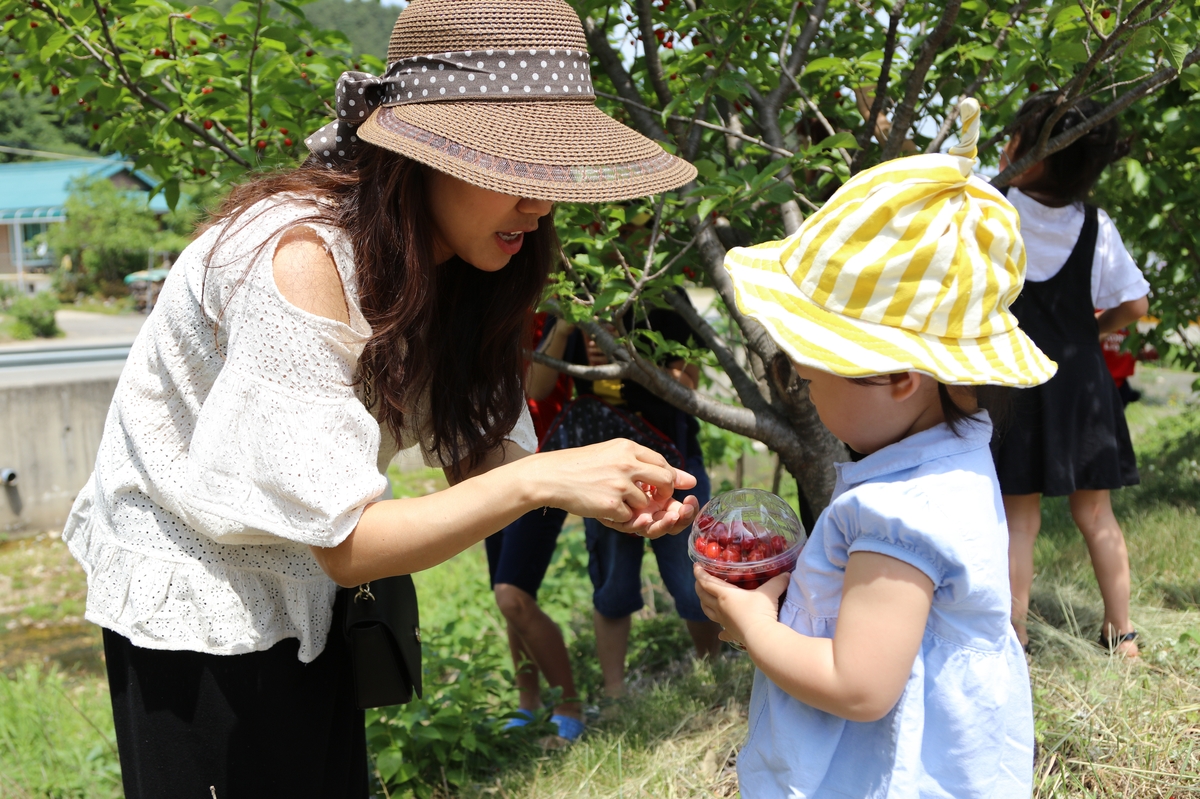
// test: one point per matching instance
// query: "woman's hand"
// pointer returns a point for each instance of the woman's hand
(627, 486)
(736, 609)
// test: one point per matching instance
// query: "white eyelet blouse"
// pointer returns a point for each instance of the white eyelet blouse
(227, 453)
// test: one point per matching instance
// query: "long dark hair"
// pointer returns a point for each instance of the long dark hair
(448, 335)
(1072, 171)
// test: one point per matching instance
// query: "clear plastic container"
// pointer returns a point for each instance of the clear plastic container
(746, 537)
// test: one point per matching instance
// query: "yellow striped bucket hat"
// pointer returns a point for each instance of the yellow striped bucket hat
(910, 266)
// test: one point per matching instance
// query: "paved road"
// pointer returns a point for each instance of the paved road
(94, 348)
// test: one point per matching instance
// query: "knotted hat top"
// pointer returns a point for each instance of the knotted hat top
(910, 266)
(498, 94)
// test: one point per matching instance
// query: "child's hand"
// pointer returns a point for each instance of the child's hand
(736, 609)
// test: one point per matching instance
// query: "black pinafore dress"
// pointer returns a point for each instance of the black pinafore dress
(1068, 434)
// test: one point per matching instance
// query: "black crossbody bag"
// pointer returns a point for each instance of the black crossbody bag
(383, 634)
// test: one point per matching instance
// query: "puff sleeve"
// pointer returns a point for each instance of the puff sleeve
(282, 446)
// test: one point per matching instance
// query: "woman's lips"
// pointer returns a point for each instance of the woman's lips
(510, 243)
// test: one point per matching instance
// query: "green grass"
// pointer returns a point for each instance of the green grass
(1106, 727)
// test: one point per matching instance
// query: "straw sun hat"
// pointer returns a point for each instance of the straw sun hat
(910, 266)
(497, 93)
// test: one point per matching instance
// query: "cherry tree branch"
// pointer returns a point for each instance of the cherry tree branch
(1065, 139)
(902, 119)
(881, 85)
(642, 116)
(948, 123)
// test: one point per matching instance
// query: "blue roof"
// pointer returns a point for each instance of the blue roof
(38, 189)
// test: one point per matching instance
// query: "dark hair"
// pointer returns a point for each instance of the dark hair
(996, 400)
(447, 334)
(1072, 171)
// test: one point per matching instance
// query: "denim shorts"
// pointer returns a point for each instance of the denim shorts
(520, 554)
(615, 563)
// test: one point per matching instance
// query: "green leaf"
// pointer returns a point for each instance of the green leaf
(984, 52)
(706, 168)
(826, 64)
(54, 43)
(155, 66)
(843, 139)
(1175, 52)
(1190, 78)
(779, 193)
(388, 762)
(707, 205)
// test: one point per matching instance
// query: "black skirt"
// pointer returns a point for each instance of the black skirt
(191, 724)
(1068, 434)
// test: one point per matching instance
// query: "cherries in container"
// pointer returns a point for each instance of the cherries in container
(746, 537)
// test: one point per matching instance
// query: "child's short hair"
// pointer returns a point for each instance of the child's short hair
(1073, 171)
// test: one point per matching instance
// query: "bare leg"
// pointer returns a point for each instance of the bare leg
(541, 642)
(704, 636)
(612, 644)
(1092, 511)
(1024, 512)
(529, 694)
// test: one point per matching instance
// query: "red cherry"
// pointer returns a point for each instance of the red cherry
(708, 54)
(701, 543)
(746, 37)
(721, 533)
(732, 555)
(659, 34)
(208, 124)
(704, 521)
(202, 172)
(54, 90)
(304, 75)
(750, 585)
(33, 24)
(1106, 13)
(670, 46)
(192, 42)
(224, 36)
(778, 544)
(713, 551)
(757, 554)
(16, 76)
(308, 53)
(95, 126)
(283, 131)
(262, 145)
(262, 123)
(1033, 87)
(287, 142)
(187, 16)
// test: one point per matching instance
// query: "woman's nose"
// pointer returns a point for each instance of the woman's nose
(537, 207)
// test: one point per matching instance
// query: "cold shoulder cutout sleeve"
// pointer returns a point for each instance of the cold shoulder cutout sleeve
(282, 445)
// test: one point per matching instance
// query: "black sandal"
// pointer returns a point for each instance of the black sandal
(1110, 645)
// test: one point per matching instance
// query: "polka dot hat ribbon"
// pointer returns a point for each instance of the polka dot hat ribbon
(479, 75)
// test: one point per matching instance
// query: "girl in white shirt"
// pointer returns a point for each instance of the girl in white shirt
(1069, 437)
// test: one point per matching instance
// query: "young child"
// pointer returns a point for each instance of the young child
(1068, 438)
(891, 669)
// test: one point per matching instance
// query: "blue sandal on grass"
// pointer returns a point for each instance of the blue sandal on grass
(568, 727)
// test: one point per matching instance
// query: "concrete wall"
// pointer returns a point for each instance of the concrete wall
(49, 434)
(50, 428)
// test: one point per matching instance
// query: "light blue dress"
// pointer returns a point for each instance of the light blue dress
(963, 727)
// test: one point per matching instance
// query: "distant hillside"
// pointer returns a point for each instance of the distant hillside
(367, 23)
(32, 122)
